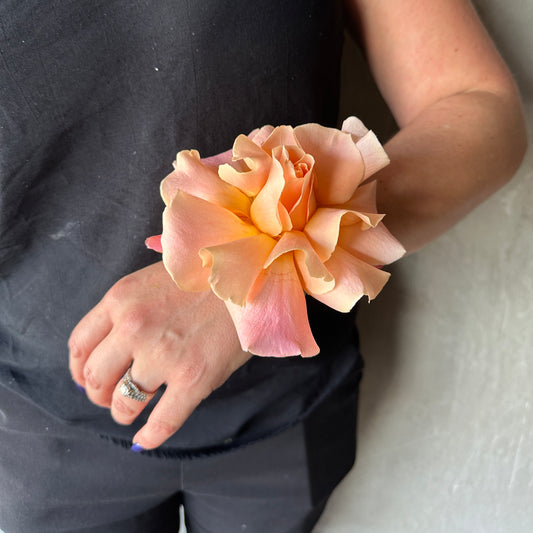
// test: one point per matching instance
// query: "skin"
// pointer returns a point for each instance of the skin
(462, 136)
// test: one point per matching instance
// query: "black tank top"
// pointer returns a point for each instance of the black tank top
(96, 98)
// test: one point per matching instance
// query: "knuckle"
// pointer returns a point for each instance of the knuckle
(121, 290)
(76, 345)
(133, 320)
(192, 371)
(90, 379)
(121, 407)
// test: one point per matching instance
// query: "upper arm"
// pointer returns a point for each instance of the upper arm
(421, 51)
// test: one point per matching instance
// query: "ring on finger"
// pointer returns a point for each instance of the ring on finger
(130, 389)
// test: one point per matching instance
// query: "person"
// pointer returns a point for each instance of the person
(96, 100)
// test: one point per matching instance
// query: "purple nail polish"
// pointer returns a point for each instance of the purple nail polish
(80, 388)
(136, 448)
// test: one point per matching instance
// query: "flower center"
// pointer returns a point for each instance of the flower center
(301, 169)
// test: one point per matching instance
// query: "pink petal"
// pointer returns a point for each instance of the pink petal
(215, 161)
(190, 224)
(236, 265)
(250, 180)
(266, 212)
(339, 165)
(375, 245)
(274, 321)
(259, 136)
(193, 177)
(154, 243)
(315, 276)
(353, 279)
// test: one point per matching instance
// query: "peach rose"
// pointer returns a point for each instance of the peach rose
(286, 211)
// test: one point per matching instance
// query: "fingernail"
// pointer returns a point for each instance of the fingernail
(137, 448)
(80, 388)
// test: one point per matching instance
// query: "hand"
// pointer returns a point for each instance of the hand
(185, 340)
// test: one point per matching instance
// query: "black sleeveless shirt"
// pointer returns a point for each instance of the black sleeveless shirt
(96, 98)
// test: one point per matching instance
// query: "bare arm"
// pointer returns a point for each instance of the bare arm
(462, 132)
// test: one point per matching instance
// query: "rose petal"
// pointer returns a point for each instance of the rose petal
(215, 161)
(339, 166)
(193, 177)
(374, 155)
(189, 224)
(364, 198)
(154, 243)
(236, 265)
(375, 245)
(274, 321)
(353, 279)
(258, 161)
(316, 277)
(323, 227)
(266, 212)
(354, 126)
(363, 203)
(280, 136)
(323, 230)
(259, 136)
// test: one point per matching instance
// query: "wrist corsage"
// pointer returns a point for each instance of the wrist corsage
(287, 211)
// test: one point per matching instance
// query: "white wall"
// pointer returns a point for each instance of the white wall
(446, 419)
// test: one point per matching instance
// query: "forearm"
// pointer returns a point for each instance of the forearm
(447, 160)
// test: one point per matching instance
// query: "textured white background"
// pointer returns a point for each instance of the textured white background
(446, 419)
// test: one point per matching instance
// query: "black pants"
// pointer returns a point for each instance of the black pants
(57, 479)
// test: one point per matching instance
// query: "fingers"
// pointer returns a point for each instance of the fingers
(185, 340)
(85, 337)
(104, 367)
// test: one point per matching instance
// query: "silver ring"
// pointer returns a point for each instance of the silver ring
(129, 389)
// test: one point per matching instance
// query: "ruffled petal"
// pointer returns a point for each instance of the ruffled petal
(274, 321)
(339, 165)
(190, 224)
(323, 227)
(363, 204)
(315, 276)
(376, 245)
(253, 178)
(260, 135)
(280, 136)
(323, 230)
(193, 177)
(353, 279)
(266, 212)
(354, 126)
(215, 161)
(374, 155)
(236, 265)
